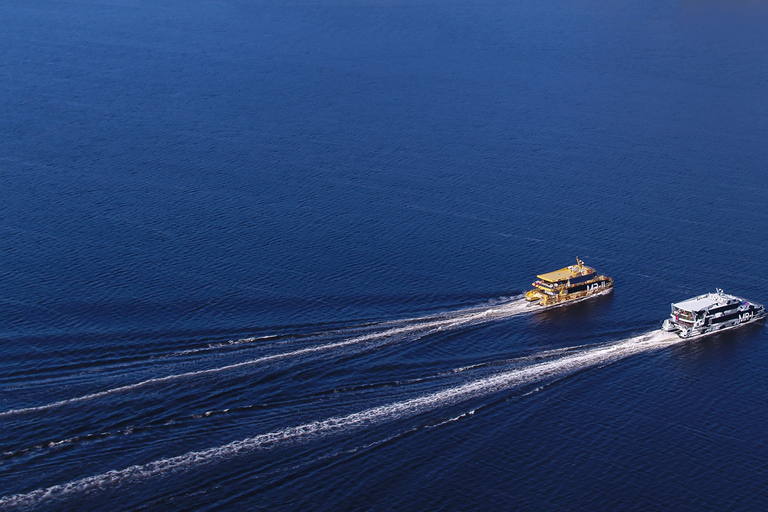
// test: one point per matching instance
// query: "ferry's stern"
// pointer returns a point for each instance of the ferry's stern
(533, 295)
(669, 326)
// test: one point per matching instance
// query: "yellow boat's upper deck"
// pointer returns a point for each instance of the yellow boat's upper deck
(566, 273)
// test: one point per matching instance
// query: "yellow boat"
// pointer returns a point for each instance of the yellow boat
(569, 284)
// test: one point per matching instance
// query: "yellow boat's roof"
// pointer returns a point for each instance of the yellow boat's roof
(557, 275)
(565, 273)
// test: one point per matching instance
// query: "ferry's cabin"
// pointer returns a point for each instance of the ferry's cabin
(700, 307)
(561, 277)
(686, 317)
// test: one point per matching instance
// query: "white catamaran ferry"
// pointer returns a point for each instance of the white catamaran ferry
(711, 312)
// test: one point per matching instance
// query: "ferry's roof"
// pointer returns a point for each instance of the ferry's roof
(698, 303)
(557, 275)
(564, 273)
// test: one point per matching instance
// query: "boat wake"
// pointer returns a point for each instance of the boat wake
(408, 329)
(556, 365)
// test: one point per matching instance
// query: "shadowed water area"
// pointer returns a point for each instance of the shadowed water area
(261, 255)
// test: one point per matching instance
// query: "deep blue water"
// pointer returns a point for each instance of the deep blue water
(268, 255)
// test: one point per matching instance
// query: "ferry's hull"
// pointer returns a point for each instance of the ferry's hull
(603, 286)
(743, 318)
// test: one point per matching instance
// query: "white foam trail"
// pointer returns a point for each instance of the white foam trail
(460, 318)
(368, 327)
(560, 366)
(224, 344)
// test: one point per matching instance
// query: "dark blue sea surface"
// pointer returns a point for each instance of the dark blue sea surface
(269, 255)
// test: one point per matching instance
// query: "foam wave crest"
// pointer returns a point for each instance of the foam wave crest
(555, 367)
(396, 330)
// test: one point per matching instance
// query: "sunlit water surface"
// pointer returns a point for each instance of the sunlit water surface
(267, 255)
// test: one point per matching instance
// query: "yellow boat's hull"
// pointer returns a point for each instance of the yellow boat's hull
(552, 299)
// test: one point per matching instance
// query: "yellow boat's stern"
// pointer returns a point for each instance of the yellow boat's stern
(533, 295)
